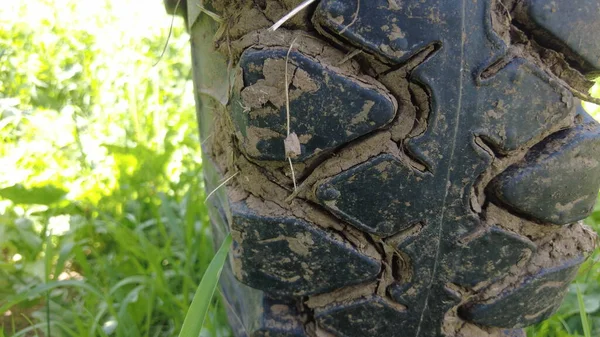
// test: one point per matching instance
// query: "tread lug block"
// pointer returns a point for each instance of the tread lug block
(288, 256)
(383, 27)
(405, 294)
(280, 319)
(511, 116)
(371, 316)
(327, 108)
(489, 256)
(575, 23)
(382, 196)
(558, 180)
(252, 313)
(532, 301)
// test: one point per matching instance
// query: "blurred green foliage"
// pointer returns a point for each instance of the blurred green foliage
(103, 230)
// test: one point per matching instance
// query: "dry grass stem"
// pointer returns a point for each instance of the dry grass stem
(205, 139)
(221, 185)
(293, 174)
(287, 86)
(291, 14)
(349, 56)
(212, 15)
(287, 108)
(162, 53)
(354, 17)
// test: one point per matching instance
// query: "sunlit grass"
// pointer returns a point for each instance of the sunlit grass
(103, 231)
(593, 109)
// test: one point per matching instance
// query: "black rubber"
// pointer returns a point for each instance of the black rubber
(441, 158)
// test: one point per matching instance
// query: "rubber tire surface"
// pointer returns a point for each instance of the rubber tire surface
(397, 168)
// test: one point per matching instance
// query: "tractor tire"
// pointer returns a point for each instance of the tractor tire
(397, 167)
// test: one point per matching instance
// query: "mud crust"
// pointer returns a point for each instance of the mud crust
(441, 158)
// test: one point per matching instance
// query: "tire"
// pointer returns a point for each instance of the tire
(441, 161)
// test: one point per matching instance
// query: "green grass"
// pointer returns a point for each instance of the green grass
(194, 320)
(103, 230)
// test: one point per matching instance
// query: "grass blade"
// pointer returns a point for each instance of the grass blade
(41, 289)
(583, 314)
(192, 325)
(48, 269)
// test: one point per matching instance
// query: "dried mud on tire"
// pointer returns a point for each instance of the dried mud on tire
(441, 162)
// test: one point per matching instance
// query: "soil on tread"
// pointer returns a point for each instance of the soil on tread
(443, 162)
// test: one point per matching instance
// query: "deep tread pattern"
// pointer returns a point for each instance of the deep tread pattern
(557, 182)
(251, 312)
(475, 104)
(536, 299)
(329, 109)
(575, 23)
(386, 28)
(482, 103)
(372, 316)
(509, 119)
(496, 251)
(367, 197)
(289, 256)
(280, 319)
(448, 148)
